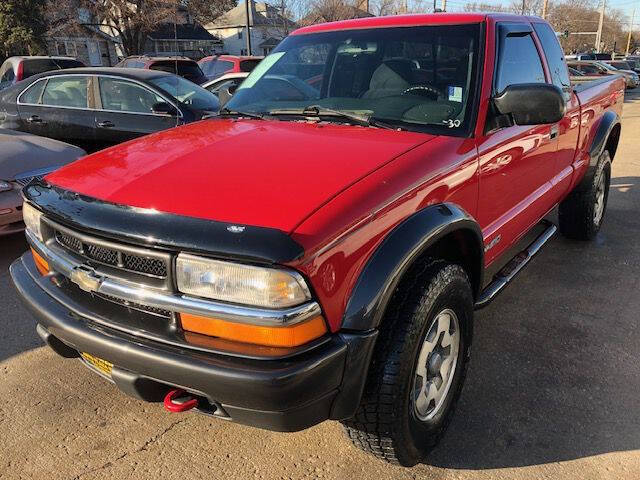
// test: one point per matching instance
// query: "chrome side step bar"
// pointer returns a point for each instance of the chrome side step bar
(515, 265)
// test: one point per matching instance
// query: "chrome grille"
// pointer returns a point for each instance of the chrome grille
(135, 306)
(112, 256)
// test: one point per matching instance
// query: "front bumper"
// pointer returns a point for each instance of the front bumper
(10, 212)
(286, 394)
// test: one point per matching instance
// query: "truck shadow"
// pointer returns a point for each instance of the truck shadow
(17, 326)
(554, 374)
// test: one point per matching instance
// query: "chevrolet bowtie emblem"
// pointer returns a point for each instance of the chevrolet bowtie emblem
(86, 278)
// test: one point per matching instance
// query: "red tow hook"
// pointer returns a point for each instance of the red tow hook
(177, 401)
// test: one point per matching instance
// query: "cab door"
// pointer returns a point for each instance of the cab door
(516, 161)
(569, 126)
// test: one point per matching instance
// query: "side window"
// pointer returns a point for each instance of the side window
(222, 66)
(123, 96)
(554, 54)
(518, 62)
(33, 93)
(66, 92)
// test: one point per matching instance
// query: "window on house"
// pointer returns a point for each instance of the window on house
(66, 48)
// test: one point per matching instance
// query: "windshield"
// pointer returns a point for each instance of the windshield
(418, 78)
(187, 93)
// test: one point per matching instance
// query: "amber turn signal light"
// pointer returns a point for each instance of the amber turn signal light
(287, 336)
(41, 264)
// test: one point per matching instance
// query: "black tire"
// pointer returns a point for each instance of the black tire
(386, 423)
(577, 213)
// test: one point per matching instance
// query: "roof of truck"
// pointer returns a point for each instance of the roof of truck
(412, 21)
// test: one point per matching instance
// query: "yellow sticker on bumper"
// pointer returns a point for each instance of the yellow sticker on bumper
(99, 364)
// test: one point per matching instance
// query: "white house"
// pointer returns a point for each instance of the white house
(268, 27)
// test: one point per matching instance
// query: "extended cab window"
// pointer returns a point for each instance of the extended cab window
(554, 54)
(518, 62)
(416, 78)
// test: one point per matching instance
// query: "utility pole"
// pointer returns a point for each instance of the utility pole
(599, 34)
(246, 11)
(633, 15)
(523, 6)
(434, 6)
(545, 5)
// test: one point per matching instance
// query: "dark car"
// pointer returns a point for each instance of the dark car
(185, 67)
(216, 66)
(15, 69)
(98, 107)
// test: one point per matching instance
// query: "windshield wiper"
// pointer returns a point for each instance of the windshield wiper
(318, 111)
(235, 113)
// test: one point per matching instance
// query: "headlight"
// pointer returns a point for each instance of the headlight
(4, 186)
(31, 218)
(237, 283)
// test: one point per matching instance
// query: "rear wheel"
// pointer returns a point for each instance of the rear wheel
(581, 214)
(418, 365)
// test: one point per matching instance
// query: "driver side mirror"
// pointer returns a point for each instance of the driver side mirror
(163, 108)
(531, 103)
(225, 93)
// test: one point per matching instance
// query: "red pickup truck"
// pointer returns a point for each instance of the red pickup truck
(317, 251)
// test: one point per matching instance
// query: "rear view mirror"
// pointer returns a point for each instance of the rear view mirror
(163, 108)
(531, 103)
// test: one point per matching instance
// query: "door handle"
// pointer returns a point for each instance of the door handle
(555, 130)
(106, 124)
(35, 119)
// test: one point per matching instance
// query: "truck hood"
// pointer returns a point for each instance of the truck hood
(22, 154)
(266, 173)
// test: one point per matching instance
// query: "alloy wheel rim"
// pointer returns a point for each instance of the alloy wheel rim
(436, 365)
(598, 211)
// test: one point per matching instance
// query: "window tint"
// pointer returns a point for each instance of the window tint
(33, 67)
(519, 62)
(222, 66)
(589, 69)
(66, 92)
(248, 65)
(123, 96)
(33, 93)
(554, 54)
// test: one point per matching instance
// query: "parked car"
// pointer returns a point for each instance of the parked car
(223, 87)
(218, 65)
(98, 107)
(24, 158)
(15, 69)
(624, 65)
(597, 68)
(314, 256)
(631, 77)
(182, 66)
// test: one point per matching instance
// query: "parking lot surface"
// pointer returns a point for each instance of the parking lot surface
(553, 390)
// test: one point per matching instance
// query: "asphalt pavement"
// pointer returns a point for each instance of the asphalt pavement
(553, 391)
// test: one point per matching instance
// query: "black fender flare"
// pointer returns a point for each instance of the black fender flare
(404, 244)
(609, 121)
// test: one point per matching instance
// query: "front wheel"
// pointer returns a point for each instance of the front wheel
(418, 365)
